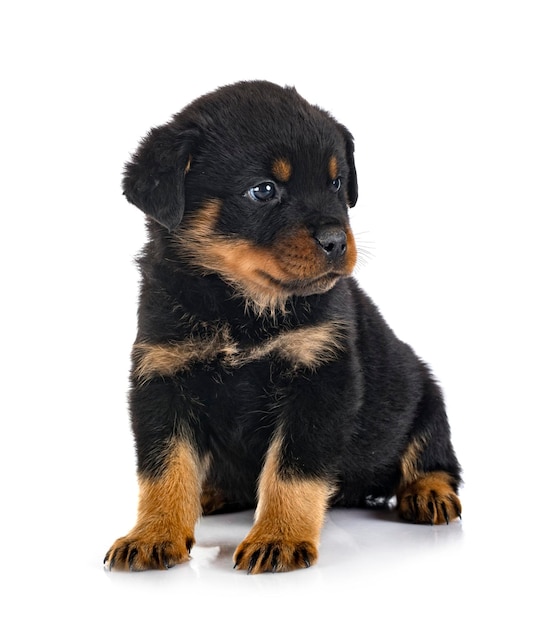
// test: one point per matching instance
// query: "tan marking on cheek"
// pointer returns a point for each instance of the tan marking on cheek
(351, 252)
(255, 271)
(288, 520)
(201, 224)
(259, 273)
(282, 170)
(333, 168)
(236, 258)
(242, 259)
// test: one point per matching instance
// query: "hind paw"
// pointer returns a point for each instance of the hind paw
(430, 499)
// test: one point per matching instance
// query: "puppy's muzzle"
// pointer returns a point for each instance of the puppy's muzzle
(333, 242)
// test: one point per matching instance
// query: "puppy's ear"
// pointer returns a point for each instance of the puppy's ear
(154, 180)
(351, 190)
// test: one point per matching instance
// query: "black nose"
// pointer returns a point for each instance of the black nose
(332, 241)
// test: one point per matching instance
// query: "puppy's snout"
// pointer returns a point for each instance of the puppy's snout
(332, 241)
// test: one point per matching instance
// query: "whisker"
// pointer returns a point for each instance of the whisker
(365, 248)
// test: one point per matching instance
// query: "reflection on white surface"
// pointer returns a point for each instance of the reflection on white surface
(371, 564)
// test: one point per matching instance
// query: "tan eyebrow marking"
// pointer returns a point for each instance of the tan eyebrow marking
(282, 169)
(333, 167)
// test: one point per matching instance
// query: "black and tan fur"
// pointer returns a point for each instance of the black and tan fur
(263, 377)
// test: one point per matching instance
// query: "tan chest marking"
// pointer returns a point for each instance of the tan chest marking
(306, 347)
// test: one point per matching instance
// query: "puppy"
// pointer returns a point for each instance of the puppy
(262, 375)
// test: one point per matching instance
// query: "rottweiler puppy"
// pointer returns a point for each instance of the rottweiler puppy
(262, 375)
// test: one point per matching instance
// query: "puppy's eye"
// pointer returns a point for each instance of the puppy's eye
(336, 184)
(262, 192)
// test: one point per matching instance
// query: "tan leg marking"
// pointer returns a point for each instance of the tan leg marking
(289, 518)
(409, 470)
(169, 507)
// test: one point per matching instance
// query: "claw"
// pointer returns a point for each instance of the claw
(110, 560)
(431, 511)
(306, 559)
(238, 559)
(156, 557)
(415, 508)
(265, 557)
(252, 562)
(446, 516)
(275, 559)
(131, 558)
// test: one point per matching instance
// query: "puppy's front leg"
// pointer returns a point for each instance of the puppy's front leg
(169, 506)
(288, 520)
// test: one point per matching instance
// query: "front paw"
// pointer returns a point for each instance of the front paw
(429, 500)
(137, 552)
(278, 555)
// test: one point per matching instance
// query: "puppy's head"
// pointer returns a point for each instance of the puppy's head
(253, 184)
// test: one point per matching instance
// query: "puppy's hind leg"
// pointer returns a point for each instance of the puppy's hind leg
(430, 499)
(430, 472)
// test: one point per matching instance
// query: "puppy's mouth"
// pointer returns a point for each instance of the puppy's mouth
(303, 287)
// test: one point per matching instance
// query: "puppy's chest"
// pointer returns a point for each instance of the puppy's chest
(218, 347)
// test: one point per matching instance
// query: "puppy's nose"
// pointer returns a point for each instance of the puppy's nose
(332, 241)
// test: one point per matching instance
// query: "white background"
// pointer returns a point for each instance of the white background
(443, 100)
